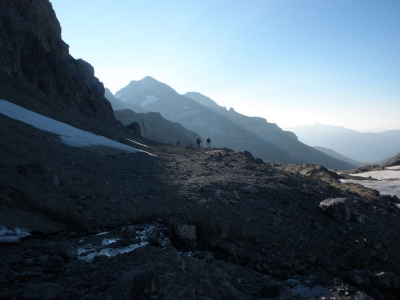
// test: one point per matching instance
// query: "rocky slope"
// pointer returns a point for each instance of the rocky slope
(211, 224)
(154, 127)
(237, 228)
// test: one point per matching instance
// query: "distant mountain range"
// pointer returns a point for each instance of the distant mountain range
(363, 147)
(226, 128)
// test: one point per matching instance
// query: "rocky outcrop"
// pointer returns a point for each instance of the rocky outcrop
(32, 52)
(154, 127)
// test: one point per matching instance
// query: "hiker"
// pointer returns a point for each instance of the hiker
(208, 143)
(198, 142)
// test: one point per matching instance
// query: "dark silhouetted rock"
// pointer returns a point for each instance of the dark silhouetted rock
(32, 51)
(135, 127)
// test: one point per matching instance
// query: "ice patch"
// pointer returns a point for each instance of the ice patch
(381, 175)
(149, 99)
(12, 236)
(102, 233)
(69, 135)
(143, 145)
(110, 252)
(93, 246)
(393, 168)
(106, 242)
(384, 187)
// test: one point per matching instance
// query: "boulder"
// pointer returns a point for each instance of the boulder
(337, 208)
(135, 127)
(144, 283)
(184, 231)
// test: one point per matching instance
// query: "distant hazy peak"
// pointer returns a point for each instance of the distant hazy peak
(147, 85)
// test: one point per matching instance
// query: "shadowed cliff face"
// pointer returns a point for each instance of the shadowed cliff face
(32, 51)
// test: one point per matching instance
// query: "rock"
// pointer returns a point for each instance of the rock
(53, 264)
(227, 247)
(358, 218)
(248, 156)
(41, 172)
(135, 127)
(258, 161)
(382, 257)
(144, 283)
(383, 280)
(45, 290)
(275, 290)
(184, 231)
(66, 251)
(337, 208)
(129, 231)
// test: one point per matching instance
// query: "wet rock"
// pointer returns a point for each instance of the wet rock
(337, 208)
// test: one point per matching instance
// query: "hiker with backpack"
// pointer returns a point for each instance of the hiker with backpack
(208, 143)
(198, 142)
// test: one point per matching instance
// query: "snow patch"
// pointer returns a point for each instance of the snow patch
(393, 168)
(70, 135)
(149, 100)
(384, 187)
(12, 235)
(381, 175)
(387, 183)
(187, 107)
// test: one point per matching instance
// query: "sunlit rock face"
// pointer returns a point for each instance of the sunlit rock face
(32, 51)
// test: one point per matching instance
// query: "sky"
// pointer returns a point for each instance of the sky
(293, 62)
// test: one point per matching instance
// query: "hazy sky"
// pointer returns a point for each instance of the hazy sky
(293, 62)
